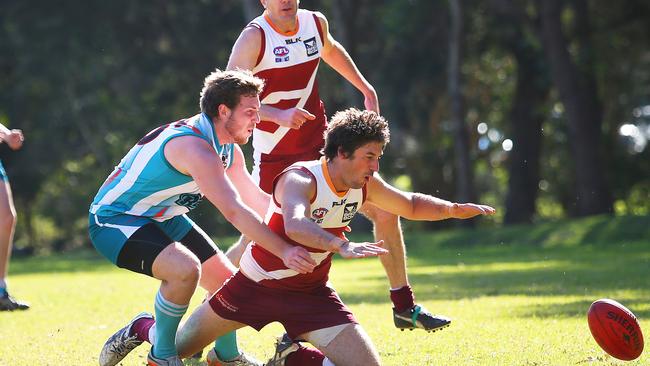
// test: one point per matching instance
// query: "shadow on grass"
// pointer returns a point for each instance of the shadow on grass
(508, 271)
(578, 308)
(86, 260)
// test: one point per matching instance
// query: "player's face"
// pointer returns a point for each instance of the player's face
(362, 164)
(282, 10)
(243, 119)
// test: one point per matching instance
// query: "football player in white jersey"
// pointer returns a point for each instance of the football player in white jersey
(311, 205)
(137, 219)
(293, 119)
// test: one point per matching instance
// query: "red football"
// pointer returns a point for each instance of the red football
(615, 329)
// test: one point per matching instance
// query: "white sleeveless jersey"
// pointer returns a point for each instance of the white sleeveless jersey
(145, 184)
(288, 65)
(329, 209)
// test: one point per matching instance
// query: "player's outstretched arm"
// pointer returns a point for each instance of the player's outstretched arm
(194, 156)
(294, 191)
(335, 55)
(418, 206)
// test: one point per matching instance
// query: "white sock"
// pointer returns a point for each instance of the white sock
(327, 362)
(152, 334)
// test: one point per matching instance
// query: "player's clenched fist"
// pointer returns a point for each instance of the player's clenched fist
(294, 118)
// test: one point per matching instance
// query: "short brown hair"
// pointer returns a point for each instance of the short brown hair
(350, 129)
(227, 87)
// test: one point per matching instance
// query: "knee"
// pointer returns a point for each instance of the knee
(186, 267)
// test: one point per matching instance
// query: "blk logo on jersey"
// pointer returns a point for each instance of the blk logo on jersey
(311, 46)
(281, 54)
(189, 200)
(319, 214)
(348, 211)
(293, 40)
(340, 203)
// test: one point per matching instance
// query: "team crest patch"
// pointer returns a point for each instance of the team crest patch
(319, 214)
(189, 200)
(281, 54)
(348, 211)
(311, 46)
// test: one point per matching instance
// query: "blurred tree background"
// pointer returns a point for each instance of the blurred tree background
(538, 107)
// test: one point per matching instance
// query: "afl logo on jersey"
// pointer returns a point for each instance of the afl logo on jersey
(318, 214)
(281, 54)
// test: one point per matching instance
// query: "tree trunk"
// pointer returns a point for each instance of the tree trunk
(464, 192)
(341, 27)
(576, 87)
(526, 117)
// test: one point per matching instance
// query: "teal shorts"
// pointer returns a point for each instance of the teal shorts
(109, 233)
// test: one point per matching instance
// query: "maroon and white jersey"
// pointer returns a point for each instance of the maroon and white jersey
(330, 209)
(288, 65)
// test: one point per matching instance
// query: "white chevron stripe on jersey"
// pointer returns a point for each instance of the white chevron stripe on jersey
(146, 203)
(264, 141)
(133, 172)
(255, 272)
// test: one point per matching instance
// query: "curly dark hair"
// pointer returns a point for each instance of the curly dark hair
(227, 87)
(353, 128)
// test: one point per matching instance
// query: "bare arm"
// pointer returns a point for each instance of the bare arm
(194, 156)
(252, 195)
(418, 206)
(244, 56)
(294, 191)
(338, 58)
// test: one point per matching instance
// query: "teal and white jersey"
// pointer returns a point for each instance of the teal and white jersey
(145, 184)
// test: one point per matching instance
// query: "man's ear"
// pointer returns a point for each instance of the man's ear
(223, 112)
(341, 153)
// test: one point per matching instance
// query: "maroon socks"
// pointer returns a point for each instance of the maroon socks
(402, 298)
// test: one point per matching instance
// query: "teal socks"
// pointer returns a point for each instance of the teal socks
(226, 346)
(168, 316)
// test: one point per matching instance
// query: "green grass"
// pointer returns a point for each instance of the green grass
(517, 296)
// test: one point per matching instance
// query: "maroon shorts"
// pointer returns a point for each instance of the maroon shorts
(272, 165)
(243, 300)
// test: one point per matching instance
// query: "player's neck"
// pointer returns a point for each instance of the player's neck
(221, 132)
(335, 176)
(280, 25)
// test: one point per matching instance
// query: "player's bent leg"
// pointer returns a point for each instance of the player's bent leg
(201, 328)
(387, 228)
(236, 250)
(351, 346)
(215, 271)
(179, 270)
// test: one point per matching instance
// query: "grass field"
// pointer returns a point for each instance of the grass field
(517, 296)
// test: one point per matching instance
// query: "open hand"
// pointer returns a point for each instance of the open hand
(361, 250)
(468, 210)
